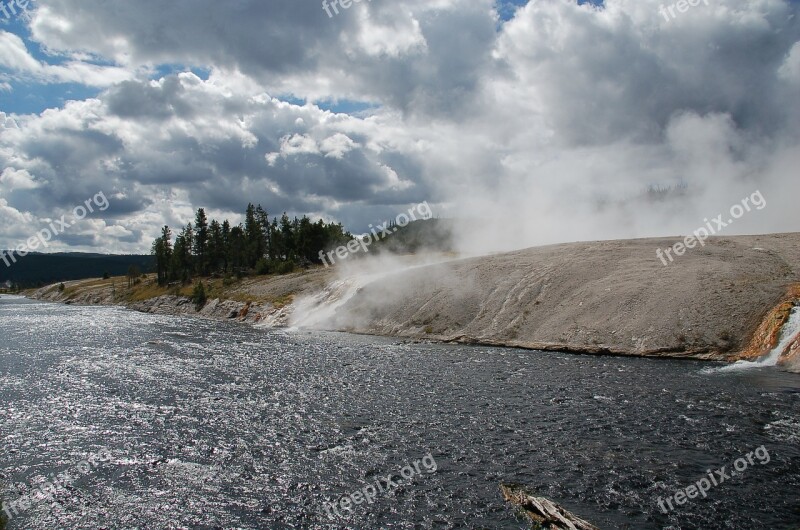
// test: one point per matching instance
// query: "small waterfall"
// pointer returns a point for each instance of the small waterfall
(788, 332)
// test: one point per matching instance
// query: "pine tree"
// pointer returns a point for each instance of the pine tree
(287, 237)
(238, 250)
(181, 265)
(262, 218)
(226, 245)
(216, 246)
(201, 242)
(253, 236)
(162, 250)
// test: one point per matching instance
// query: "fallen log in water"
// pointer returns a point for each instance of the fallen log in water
(544, 513)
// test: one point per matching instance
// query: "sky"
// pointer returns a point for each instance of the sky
(538, 121)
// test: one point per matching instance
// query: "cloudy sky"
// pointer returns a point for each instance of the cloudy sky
(544, 120)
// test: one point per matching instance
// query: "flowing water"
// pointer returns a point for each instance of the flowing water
(218, 425)
(789, 331)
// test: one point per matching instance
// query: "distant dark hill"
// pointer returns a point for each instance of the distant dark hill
(430, 234)
(41, 269)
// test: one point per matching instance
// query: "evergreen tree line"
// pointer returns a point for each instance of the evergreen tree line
(258, 246)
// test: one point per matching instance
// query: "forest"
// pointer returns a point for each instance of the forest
(259, 246)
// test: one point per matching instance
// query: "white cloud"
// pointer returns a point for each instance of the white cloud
(392, 36)
(298, 144)
(15, 57)
(338, 145)
(12, 179)
(555, 122)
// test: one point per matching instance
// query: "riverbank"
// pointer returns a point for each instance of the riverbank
(725, 301)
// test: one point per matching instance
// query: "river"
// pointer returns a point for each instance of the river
(217, 425)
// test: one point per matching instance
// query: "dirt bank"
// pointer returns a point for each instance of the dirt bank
(248, 300)
(611, 297)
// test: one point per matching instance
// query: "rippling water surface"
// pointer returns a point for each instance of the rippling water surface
(216, 425)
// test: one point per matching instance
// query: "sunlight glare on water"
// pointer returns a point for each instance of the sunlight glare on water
(222, 425)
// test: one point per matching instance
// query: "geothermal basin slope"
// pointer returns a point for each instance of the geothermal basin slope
(612, 297)
(727, 300)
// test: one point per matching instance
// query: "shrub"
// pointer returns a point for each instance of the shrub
(199, 296)
(282, 267)
(262, 267)
(61, 287)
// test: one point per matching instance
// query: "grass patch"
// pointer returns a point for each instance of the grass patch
(236, 290)
(145, 291)
(282, 301)
(119, 282)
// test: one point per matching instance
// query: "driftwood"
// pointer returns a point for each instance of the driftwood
(544, 513)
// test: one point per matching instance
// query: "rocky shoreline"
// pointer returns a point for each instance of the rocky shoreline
(726, 301)
(216, 309)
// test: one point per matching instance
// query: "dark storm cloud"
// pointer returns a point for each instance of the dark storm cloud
(131, 99)
(253, 35)
(121, 207)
